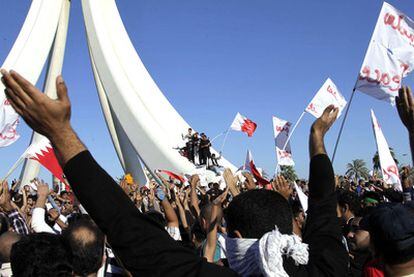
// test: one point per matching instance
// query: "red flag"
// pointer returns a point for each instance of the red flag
(174, 176)
(43, 152)
(249, 165)
(243, 124)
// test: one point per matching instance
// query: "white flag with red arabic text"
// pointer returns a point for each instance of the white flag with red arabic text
(327, 95)
(281, 129)
(389, 168)
(390, 55)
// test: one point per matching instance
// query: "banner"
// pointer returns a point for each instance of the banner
(281, 129)
(388, 167)
(390, 55)
(327, 95)
(243, 124)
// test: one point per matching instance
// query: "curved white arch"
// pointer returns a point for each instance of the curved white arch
(126, 153)
(31, 168)
(152, 125)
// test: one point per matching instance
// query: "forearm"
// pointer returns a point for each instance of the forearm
(66, 145)
(41, 201)
(170, 215)
(316, 143)
(211, 236)
(194, 201)
(183, 218)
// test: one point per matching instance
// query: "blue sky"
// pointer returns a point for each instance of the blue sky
(215, 58)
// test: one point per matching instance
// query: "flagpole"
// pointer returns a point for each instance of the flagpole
(219, 135)
(16, 164)
(293, 130)
(225, 138)
(343, 121)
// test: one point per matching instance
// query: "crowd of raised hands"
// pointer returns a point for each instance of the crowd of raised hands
(235, 227)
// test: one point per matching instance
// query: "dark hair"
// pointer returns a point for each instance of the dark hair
(256, 212)
(296, 208)
(40, 254)
(351, 199)
(86, 243)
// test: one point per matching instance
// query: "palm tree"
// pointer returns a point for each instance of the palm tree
(288, 172)
(357, 169)
(376, 162)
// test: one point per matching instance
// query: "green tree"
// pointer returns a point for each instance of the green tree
(357, 169)
(376, 161)
(288, 172)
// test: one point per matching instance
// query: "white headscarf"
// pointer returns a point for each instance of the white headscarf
(253, 257)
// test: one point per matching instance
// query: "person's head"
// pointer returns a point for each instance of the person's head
(357, 236)
(361, 182)
(298, 214)
(371, 199)
(391, 228)
(190, 131)
(256, 212)
(86, 243)
(7, 240)
(64, 194)
(40, 254)
(205, 214)
(31, 200)
(26, 188)
(348, 205)
(203, 136)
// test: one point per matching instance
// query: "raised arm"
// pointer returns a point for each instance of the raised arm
(321, 174)
(405, 108)
(322, 231)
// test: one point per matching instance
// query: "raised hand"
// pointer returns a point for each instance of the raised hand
(42, 189)
(319, 129)
(194, 180)
(42, 114)
(5, 198)
(323, 123)
(405, 108)
(282, 186)
(231, 182)
(249, 183)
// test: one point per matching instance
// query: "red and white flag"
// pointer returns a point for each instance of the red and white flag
(172, 175)
(327, 95)
(390, 55)
(243, 124)
(281, 129)
(42, 152)
(250, 166)
(388, 167)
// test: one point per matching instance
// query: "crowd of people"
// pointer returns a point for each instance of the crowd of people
(102, 227)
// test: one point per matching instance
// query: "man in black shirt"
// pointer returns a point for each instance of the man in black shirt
(205, 154)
